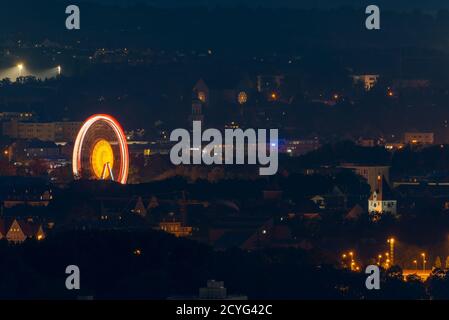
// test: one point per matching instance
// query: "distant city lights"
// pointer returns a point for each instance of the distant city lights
(22, 70)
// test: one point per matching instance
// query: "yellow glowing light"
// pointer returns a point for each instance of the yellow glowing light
(274, 96)
(102, 159)
(20, 66)
(202, 96)
(242, 97)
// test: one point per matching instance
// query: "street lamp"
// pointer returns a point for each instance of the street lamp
(391, 242)
(423, 255)
(351, 254)
(59, 70)
(343, 258)
(20, 67)
(379, 259)
(415, 262)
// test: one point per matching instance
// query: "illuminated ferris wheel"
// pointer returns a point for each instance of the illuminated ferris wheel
(101, 151)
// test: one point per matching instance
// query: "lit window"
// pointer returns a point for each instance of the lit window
(202, 96)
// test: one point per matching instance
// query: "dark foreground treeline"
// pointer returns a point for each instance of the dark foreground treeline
(166, 266)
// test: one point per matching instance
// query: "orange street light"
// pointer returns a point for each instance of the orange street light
(391, 241)
(423, 255)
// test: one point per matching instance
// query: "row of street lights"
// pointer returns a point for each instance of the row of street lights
(424, 261)
(20, 67)
(389, 258)
(351, 257)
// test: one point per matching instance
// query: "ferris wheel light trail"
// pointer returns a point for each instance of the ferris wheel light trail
(113, 123)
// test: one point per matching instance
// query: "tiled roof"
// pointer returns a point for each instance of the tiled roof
(28, 228)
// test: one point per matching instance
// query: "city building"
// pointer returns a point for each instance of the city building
(214, 290)
(197, 111)
(355, 213)
(33, 199)
(36, 149)
(24, 150)
(140, 208)
(63, 131)
(223, 90)
(335, 199)
(175, 228)
(381, 200)
(24, 191)
(367, 143)
(419, 138)
(298, 147)
(17, 231)
(370, 173)
(201, 92)
(20, 116)
(250, 233)
(367, 80)
(393, 146)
